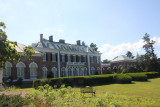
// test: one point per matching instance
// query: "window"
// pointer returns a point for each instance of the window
(81, 72)
(7, 70)
(53, 57)
(44, 73)
(74, 72)
(69, 72)
(20, 69)
(63, 73)
(33, 70)
(92, 71)
(54, 71)
(85, 71)
(99, 71)
(91, 59)
(63, 58)
(44, 57)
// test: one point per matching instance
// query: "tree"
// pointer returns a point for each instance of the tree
(92, 45)
(8, 51)
(129, 54)
(151, 63)
(106, 61)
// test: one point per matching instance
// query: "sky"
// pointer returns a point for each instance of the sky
(115, 26)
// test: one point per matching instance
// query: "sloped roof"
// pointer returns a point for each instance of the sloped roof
(20, 47)
(63, 46)
(122, 58)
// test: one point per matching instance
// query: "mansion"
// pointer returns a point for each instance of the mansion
(55, 59)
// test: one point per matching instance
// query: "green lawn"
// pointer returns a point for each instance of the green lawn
(150, 89)
(137, 94)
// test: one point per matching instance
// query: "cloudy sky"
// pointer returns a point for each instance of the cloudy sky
(116, 26)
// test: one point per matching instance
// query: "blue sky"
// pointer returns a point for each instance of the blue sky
(116, 26)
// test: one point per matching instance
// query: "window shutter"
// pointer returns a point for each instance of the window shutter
(46, 57)
(66, 58)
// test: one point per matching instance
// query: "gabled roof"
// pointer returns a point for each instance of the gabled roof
(122, 58)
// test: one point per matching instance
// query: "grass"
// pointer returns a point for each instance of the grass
(150, 89)
(133, 95)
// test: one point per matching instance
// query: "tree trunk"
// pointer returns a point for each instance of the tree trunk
(1, 76)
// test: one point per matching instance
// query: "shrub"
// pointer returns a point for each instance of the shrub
(36, 83)
(130, 70)
(122, 78)
(78, 81)
(12, 101)
(138, 76)
(152, 74)
(19, 82)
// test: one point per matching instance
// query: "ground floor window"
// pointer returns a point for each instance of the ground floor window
(54, 71)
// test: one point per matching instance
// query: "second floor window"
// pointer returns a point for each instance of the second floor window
(44, 57)
(53, 57)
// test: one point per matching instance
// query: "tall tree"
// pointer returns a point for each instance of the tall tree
(94, 46)
(151, 63)
(129, 54)
(8, 51)
(106, 61)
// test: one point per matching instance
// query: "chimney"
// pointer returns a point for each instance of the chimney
(83, 43)
(51, 38)
(61, 41)
(78, 42)
(41, 37)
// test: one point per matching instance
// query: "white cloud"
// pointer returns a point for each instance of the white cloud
(60, 30)
(109, 51)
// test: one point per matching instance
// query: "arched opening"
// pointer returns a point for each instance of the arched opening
(85, 71)
(92, 71)
(44, 73)
(33, 70)
(20, 69)
(7, 70)
(54, 71)
(63, 73)
(98, 71)
(69, 72)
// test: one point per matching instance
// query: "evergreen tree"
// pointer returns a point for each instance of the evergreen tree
(151, 63)
(129, 54)
(94, 46)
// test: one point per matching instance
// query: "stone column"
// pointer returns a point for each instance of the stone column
(100, 63)
(1, 76)
(59, 65)
(88, 64)
(72, 71)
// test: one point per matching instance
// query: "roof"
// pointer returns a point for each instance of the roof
(122, 58)
(63, 46)
(20, 47)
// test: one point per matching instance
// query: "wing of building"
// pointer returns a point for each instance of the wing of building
(117, 64)
(55, 59)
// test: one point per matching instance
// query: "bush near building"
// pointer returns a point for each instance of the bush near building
(82, 81)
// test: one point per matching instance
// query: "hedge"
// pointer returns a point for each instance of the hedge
(138, 76)
(77, 81)
(152, 74)
(81, 81)
(122, 78)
